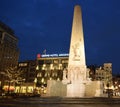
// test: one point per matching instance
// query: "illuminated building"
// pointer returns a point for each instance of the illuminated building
(50, 66)
(29, 70)
(104, 73)
(9, 52)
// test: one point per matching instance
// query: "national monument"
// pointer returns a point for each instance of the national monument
(76, 82)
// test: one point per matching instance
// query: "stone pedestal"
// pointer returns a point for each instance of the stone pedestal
(94, 89)
(76, 89)
(56, 88)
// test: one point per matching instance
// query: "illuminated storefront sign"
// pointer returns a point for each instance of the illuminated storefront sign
(54, 55)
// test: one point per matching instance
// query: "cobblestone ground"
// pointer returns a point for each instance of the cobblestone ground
(57, 102)
(59, 105)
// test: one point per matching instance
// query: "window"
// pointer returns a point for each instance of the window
(64, 61)
(22, 64)
(41, 62)
(48, 61)
(55, 61)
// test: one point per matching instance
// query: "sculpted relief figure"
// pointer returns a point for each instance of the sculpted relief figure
(65, 74)
(76, 74)
(71, 74)
(76, 51)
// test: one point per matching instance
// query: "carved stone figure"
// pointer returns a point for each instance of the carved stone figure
(65, 74)
(76, 51)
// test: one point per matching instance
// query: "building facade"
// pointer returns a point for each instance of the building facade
(104, 74)
(9, 52)
(29, 70)
(50, 67)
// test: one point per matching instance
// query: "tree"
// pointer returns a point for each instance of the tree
(13, 75)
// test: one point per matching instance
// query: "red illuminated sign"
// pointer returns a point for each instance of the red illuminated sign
(38, 55)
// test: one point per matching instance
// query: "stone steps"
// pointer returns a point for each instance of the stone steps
(60, 100)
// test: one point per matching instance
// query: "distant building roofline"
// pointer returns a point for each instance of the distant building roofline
(6, 28)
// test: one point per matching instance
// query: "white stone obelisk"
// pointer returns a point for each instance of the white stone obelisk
(77, 63)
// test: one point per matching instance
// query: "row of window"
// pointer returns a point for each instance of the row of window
(9, 39)
(56, 61)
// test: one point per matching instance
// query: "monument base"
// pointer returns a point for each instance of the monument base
(76, 89)
(94, 89)
(56, 88)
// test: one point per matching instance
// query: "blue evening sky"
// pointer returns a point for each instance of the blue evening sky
(47, 24)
